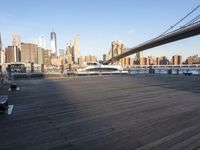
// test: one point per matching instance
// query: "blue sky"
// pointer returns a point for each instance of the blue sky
(98, 22)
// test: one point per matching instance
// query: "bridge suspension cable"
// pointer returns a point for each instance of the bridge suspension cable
(194, 20)
(186, 16)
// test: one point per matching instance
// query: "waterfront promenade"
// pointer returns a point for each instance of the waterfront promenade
(104, 113)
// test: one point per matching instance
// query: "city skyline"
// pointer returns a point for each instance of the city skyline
(99, 23)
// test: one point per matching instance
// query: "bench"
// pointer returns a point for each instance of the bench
(3, 103)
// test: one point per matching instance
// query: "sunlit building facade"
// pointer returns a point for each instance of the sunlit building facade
(29, 53)
(177, 60)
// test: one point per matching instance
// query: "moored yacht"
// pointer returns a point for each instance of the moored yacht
(101, 70)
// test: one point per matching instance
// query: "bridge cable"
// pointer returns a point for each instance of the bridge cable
(194, 20)
(180, 20)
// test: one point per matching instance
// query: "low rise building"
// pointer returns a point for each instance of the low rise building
(193, 60)
(177, 60)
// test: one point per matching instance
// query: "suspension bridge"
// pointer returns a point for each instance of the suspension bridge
(190, 29)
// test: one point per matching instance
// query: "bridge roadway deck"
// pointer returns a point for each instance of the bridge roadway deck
(104, 113)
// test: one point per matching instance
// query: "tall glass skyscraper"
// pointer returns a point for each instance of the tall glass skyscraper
(53, 43)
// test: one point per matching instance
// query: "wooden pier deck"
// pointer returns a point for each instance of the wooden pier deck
(104, 113)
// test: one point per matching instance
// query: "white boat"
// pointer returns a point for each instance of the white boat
(101, 70)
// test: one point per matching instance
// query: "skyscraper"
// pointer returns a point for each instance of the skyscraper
(47, 57)
(69, 52)
(0, 43)
(73, 50)
(29, 53)
(1, 51)
(16, 42)
(40, 55)
(139, 58)
(10, 54)
(104, 58)
(42, 41)
(76, 50)
(62, 52)
(53, 43)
